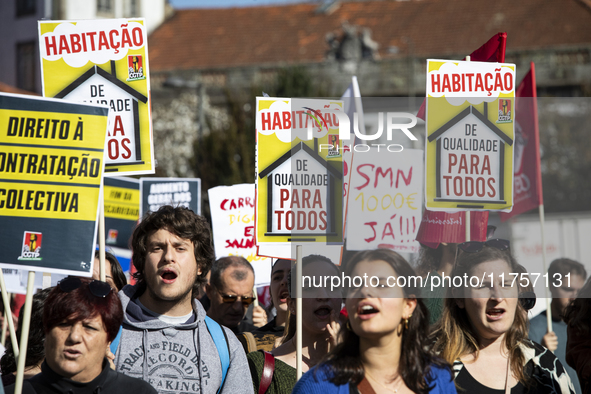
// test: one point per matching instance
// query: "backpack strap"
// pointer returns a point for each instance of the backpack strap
(268, 371)
(115, 343)
(221, 343)
(250, 341)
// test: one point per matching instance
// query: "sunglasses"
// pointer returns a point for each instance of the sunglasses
(527, 300)
(477, 246)
(231, 298)
(97, 288)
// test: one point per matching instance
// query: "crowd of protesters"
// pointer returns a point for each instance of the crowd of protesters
(192, 324)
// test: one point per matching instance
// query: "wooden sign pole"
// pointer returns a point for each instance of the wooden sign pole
(20, 369)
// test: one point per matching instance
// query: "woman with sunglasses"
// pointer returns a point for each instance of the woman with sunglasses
(483, 329)
(383, 345)
(80, 319)
(320, 311)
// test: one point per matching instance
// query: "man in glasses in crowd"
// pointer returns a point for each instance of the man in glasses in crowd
(230, 292)
(167, 338)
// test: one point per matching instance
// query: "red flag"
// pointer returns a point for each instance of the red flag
(527, 182)
(437, 227)
(493, 51)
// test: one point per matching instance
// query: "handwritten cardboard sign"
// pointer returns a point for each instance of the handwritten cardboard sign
(384, 208)
(232, 217)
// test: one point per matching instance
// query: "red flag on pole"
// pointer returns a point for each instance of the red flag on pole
(527, 177)
(492, 51)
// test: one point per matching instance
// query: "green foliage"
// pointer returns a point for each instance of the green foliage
(294, 82)
(226, 156)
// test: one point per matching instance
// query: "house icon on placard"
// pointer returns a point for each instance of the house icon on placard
(283, 168)
(482, 150)
(98, 86)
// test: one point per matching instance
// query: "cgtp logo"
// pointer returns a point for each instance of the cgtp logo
(504, 111)
(135, 67)
(112, 236)
(31, 249)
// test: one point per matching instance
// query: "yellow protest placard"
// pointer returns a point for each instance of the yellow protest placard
(122, 210)
(104, 61)
(299, 171)
(470, 135)
(51, 169)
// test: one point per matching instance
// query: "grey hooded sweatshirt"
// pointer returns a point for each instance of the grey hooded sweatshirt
(180, 358)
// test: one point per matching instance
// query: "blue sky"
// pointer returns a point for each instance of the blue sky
(227, 3)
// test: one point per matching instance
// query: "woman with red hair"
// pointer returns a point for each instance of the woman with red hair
(80, 318)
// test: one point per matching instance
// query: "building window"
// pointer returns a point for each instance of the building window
(57, 10)
(25, 7)
(25, 66)
(104, 6)
(132, 8)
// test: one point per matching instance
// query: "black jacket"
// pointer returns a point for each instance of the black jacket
(108, 382)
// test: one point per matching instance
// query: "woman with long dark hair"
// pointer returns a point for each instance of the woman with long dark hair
(383, 346)
(483, 330)
(320, 311)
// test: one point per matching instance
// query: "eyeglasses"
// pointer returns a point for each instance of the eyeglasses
(97, 288)
(476, 246)
(231, 298)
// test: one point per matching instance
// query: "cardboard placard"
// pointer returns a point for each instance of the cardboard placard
(232, 221)
(122, 210)
(104, 61)
(156, 192)
(51, 164)
(384, 208)
(299, 172)
(470, 135)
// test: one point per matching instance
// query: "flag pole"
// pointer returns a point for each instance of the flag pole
(256, 297)
(540, 194)
(20, 369)
(298, 312)
(468, 218)
(4, 329)
(8, 311)
(545, 270)
(101, 236)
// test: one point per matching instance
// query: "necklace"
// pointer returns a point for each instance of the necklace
(395, 391)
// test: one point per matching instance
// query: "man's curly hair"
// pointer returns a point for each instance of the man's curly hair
(182, 222)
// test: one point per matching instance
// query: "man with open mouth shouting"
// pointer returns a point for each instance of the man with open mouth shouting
(167, 340)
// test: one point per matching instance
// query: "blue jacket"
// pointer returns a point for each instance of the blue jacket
(317, 382)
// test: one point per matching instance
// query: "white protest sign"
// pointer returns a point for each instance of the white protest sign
(16, 280)
(232, 219)
(385, 200)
